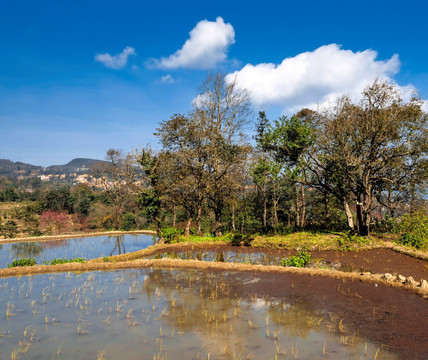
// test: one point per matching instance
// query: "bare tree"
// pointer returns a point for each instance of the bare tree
(366, 149)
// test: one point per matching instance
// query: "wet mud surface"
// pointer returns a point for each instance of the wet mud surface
(376, 261)
(392, 317)
(395, 318)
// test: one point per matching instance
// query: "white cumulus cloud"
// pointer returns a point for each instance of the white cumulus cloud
(315, 78)
(207, 46)
(117, 61)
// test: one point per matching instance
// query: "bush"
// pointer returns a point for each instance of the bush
(387, 225)
(350, 240)
(414, 230)
(128, 221)
(107, 222)
(301, 259)
(236, 239)
(239, 238)
(169, 235)
(23, 262)
(9, 229)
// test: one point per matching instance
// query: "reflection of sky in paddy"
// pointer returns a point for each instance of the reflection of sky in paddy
(85, 247)
(253, 258)
(166, 314)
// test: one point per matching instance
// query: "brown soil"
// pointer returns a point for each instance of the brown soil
(390, 313)
(376, 261)
(392, 317)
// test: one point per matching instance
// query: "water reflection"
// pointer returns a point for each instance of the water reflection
(165, 314)
(88, 248)
(119, 247)
(25, 250)
(253, 258)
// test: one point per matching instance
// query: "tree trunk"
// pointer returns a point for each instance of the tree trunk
(348, 213)
(364, 214)
(297, 208)
(218, 223)
(275, 207)
(275, 213)
(187, 229)
(233, 218)
(303, 206)
(264, 210)
(198, 218)
(174, 215)
(326, 211)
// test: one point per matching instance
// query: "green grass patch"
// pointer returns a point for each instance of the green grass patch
(301, 259)
(298, 240)
(312, 241)
(65, 261)
(207, 238)
(23, 262)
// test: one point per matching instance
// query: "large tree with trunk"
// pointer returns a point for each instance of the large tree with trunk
(208, 148)
(366, 150)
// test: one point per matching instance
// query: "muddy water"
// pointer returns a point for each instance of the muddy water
(252, 258)
(86, 247)
(166, 314)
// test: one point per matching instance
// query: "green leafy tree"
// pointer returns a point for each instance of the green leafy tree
(206, 151)
(288, 140)
(222, 111)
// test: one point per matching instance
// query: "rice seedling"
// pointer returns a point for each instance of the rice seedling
(107, 320)
(81, 330)
(119, 307)
(14, 354)
(100, 355)
(9, 310)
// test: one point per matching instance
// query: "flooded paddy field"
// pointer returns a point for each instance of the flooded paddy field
(377, 261)
(195, 314)
(84, 247)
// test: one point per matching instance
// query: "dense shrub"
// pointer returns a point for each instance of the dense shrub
(238, 238)
(9, 229)
(23, 262)
(169, 234)
(301, 259)
(128, 221)
(414, 230)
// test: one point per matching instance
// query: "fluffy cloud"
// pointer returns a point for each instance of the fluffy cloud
(117, 61)
(167, 79)
(207, 46)
(315, 78)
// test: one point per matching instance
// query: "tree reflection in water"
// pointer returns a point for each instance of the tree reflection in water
(119, 246)
(25, 250)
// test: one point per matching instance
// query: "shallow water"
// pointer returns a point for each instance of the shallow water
(165, 314)
(85, 247)
(252, 258)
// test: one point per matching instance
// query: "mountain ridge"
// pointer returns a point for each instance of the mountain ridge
(13, 169)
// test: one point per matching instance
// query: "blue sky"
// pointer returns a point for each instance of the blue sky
(80, 77)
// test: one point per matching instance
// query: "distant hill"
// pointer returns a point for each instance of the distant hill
(78, 165)
(12, 169)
